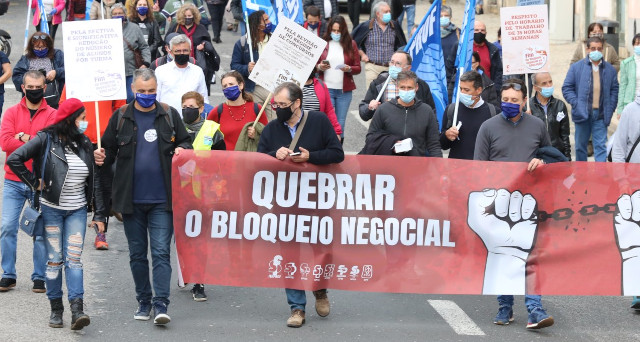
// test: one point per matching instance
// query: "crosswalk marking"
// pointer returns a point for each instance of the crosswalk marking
(461, 323)
(356, 115)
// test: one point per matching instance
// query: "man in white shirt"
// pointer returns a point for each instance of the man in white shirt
(179, 76)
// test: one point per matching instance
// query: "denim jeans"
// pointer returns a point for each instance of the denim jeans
(130, 94)
(594, 126)
(150, 225)
(530, 301)
(411, 15)
(341, 101)
(64, 233)
(297, 299)
(14, 196)
(1, 103)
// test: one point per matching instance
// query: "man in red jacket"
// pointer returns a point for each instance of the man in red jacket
(19, 124)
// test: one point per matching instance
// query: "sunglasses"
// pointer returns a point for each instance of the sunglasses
(515, 86)
(39, 37)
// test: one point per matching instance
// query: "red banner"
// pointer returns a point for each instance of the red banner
(403, 224)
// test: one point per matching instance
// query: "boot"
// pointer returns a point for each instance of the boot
(79, 319)
(55, 320)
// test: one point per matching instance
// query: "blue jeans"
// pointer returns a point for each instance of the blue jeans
(64, 232)
(130, 95)
(530, 301)
(341, 101)
(1, 103)
(411, 15)
(14, 196)
(297, 299)
(594, 126)
(150, 225)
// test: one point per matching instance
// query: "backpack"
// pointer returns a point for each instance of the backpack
(219, 110)
(451, 108)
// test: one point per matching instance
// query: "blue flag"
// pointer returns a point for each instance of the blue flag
(44, 26)
(250, 6)
(425, 49)
(465, 44)
(291, 9)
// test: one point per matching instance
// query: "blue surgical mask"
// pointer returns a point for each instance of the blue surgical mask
(232, 93)
(386, 18)
(466, 99)
(394, 71)
(445, 21)
(121, 17)
(268, 28)
(636, 49)
(407, 95)
(510, 110)
(142, 10)
(41, 53)
(145, 100)
(546, 92)
(313, 26)
(595, 55)
(82, 126)
(336, 37)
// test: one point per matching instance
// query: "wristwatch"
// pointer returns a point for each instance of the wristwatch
(20, 135)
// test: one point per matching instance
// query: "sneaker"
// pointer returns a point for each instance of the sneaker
(38, 286)
(144, 311)
(198, 293)
(101, 242)
(296, 320)
(160, 311)
(539, 319)
(504, 316)
(322, 303)
(636, 303)
(6, 284)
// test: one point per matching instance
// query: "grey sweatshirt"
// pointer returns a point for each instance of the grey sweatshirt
(500, 139)
(627, 133)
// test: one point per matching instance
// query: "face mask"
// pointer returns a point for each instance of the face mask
(190, 115)
(407, 95)
(394, 71)
(41, 53)
(232, 93)
(595, 55)
(479, 37)
(336, 37)
(546, 92)
(510, 110)
(445, 21)
(386, 18)
(313, 26)
(145, 100)
(82, 126)
(188, 21)
(599, 35)
(284, 114)
(268, 28)
(121, 17)
(34, 95)
(466, 99)
(181, 59)
(636, 50)
(142, 10)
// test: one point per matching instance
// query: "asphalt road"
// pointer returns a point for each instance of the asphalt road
(256, 314)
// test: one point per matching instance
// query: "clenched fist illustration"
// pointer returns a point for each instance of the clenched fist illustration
(627, 226)
(507, 223)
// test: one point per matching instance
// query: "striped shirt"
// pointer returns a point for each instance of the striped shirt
(380, 44)
(72, 196)
(309, 98)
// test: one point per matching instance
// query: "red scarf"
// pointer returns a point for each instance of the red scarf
(189, 34)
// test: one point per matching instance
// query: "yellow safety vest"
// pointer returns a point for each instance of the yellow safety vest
(204, 139)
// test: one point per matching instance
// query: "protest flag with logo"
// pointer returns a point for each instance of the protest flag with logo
(465, 44)
(291, 9)
(44, 26)
(250, 6)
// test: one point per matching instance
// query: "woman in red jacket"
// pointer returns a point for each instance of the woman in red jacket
(337, 65)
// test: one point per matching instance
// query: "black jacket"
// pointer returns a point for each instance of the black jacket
(496, 66)
(423, 94)
(361, 33)
(55, 170)
(559, 131)
(380, 144)
(154, 40)
(120, 147)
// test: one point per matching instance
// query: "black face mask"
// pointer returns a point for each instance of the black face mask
(190, 115)
(479, 37)
(34, 95)
(181, 59)
(188, 21)
(284, 114)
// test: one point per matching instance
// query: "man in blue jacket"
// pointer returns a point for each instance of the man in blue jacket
(591, 88)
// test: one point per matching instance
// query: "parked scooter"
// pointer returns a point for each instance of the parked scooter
(5, 38)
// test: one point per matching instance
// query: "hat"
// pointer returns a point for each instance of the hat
(68, 108)
(168, 37)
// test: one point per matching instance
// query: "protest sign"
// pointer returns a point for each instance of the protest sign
(525, 39)
(530, 2)
(290, 56)
(94, 57)
(431, 226)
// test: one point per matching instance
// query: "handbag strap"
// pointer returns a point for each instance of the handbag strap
(129, 45)
(632, 149)
(296, 137)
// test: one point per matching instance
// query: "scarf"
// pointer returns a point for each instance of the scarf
(445, 31)
(195, 127)
(189, 33)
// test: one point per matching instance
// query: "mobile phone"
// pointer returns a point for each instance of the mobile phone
(294, 154)
(325, 62)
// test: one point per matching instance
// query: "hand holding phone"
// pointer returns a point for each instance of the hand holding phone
(294, 154)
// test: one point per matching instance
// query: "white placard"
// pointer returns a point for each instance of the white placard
(289, 56)
(525, 39)
(94, 60)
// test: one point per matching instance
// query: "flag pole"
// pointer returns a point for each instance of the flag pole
(455, 112)
(98, 125)
(266, 103)
(384, 86)
(26, 28)
(246, 22)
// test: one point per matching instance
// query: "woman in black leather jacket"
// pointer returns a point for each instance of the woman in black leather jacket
(70, 184)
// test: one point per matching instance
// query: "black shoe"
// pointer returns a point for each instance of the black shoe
(198, 293)
(79, 319)
(217, 40)
(38, 286)
(6, 284)
(55, 320)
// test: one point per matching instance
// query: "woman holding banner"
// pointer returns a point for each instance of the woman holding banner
(140, 12)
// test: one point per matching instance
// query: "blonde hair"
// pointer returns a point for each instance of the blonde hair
(193, 95)
(188, 7)
(131, 9)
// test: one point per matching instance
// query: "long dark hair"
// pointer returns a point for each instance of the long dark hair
(345, 37)
(238, 76)
(47, 41)
(67, 132)
(255, 20)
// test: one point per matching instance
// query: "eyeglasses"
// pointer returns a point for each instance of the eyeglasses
(395, 63)
(515, 86)
(39, 37)
(275, 105)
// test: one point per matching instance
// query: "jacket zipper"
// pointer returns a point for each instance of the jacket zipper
(406, 114)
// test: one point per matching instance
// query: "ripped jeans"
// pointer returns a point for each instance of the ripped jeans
(64, 238)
